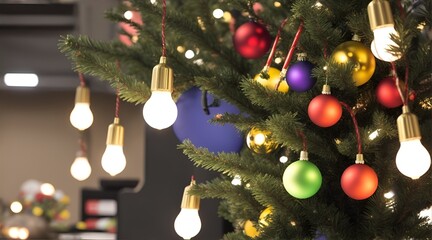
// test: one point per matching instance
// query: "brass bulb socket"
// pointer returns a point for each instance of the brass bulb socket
(380, 14)
(115, 135)
(162, 77)
(190, 201)
(82, 94)
(408, 126)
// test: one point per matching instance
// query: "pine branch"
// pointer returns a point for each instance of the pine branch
(227, 163)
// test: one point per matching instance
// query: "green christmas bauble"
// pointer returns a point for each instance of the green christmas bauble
(302, 179)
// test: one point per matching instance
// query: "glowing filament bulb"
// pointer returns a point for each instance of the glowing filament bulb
(80, 168)
(160, 111)
(113, 159)
(188, 223)
(81, 116)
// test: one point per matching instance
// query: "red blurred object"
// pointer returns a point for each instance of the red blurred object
(136, 17)
(412, 95)
(387, 93)
(104, 207)
(252, 40)
(40, 197)
(258, 8)
(359, 181)
(324, 110)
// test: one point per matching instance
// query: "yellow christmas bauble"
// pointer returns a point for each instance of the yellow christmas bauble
(37, 211)
(260, 141)
(273, 80)
(265, 216)
(250, 230)
(362, 57)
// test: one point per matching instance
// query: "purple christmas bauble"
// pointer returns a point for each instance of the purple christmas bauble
(299, 76)
(193, 123)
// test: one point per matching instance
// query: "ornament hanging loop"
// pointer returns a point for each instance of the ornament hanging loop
(205, 105)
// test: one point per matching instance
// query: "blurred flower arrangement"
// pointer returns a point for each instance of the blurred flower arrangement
(43, 200)
(38, 213)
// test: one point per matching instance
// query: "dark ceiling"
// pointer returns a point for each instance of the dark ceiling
(30, 31)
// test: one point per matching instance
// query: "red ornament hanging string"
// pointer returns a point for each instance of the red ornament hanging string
(403, 96)
(275, 43)
(357, 131)
(163, 25)
(82, 80)
(290, 54)
(303, 137)
(358, 181)
(83, 146)
(117, 106)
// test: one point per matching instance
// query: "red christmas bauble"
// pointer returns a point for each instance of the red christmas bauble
(359, 181)
(252, 40)
(324, 110)
(387, 93)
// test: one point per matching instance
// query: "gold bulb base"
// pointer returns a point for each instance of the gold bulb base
(162, 77)
(380, 14)
(408, 126)
(190, 201)
(115, 134)
(82, 95)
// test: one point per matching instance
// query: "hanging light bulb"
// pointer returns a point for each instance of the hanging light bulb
(188, 223)
(113, 159)
(80, 168)
(160, 111)
(81, 116)
(412, 159)
(382, 25)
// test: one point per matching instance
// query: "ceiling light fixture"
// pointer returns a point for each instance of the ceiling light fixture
(21, 79)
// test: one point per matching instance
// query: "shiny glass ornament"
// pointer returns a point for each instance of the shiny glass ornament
(260, 141)
(358, 54)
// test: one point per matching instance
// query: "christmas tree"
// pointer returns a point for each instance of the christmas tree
(319, 133)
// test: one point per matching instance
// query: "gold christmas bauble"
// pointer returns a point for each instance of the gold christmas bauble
(250, 230)
(265, 216)
(362, 57)
(273, 80)
(260, 141)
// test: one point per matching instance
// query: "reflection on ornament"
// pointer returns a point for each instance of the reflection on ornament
(387, 93)
(358, 54)
(260, 141)
(302, 179)
(359, 181)
(252, 40)
(273, 80)
(265, 216)
(249, 229)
